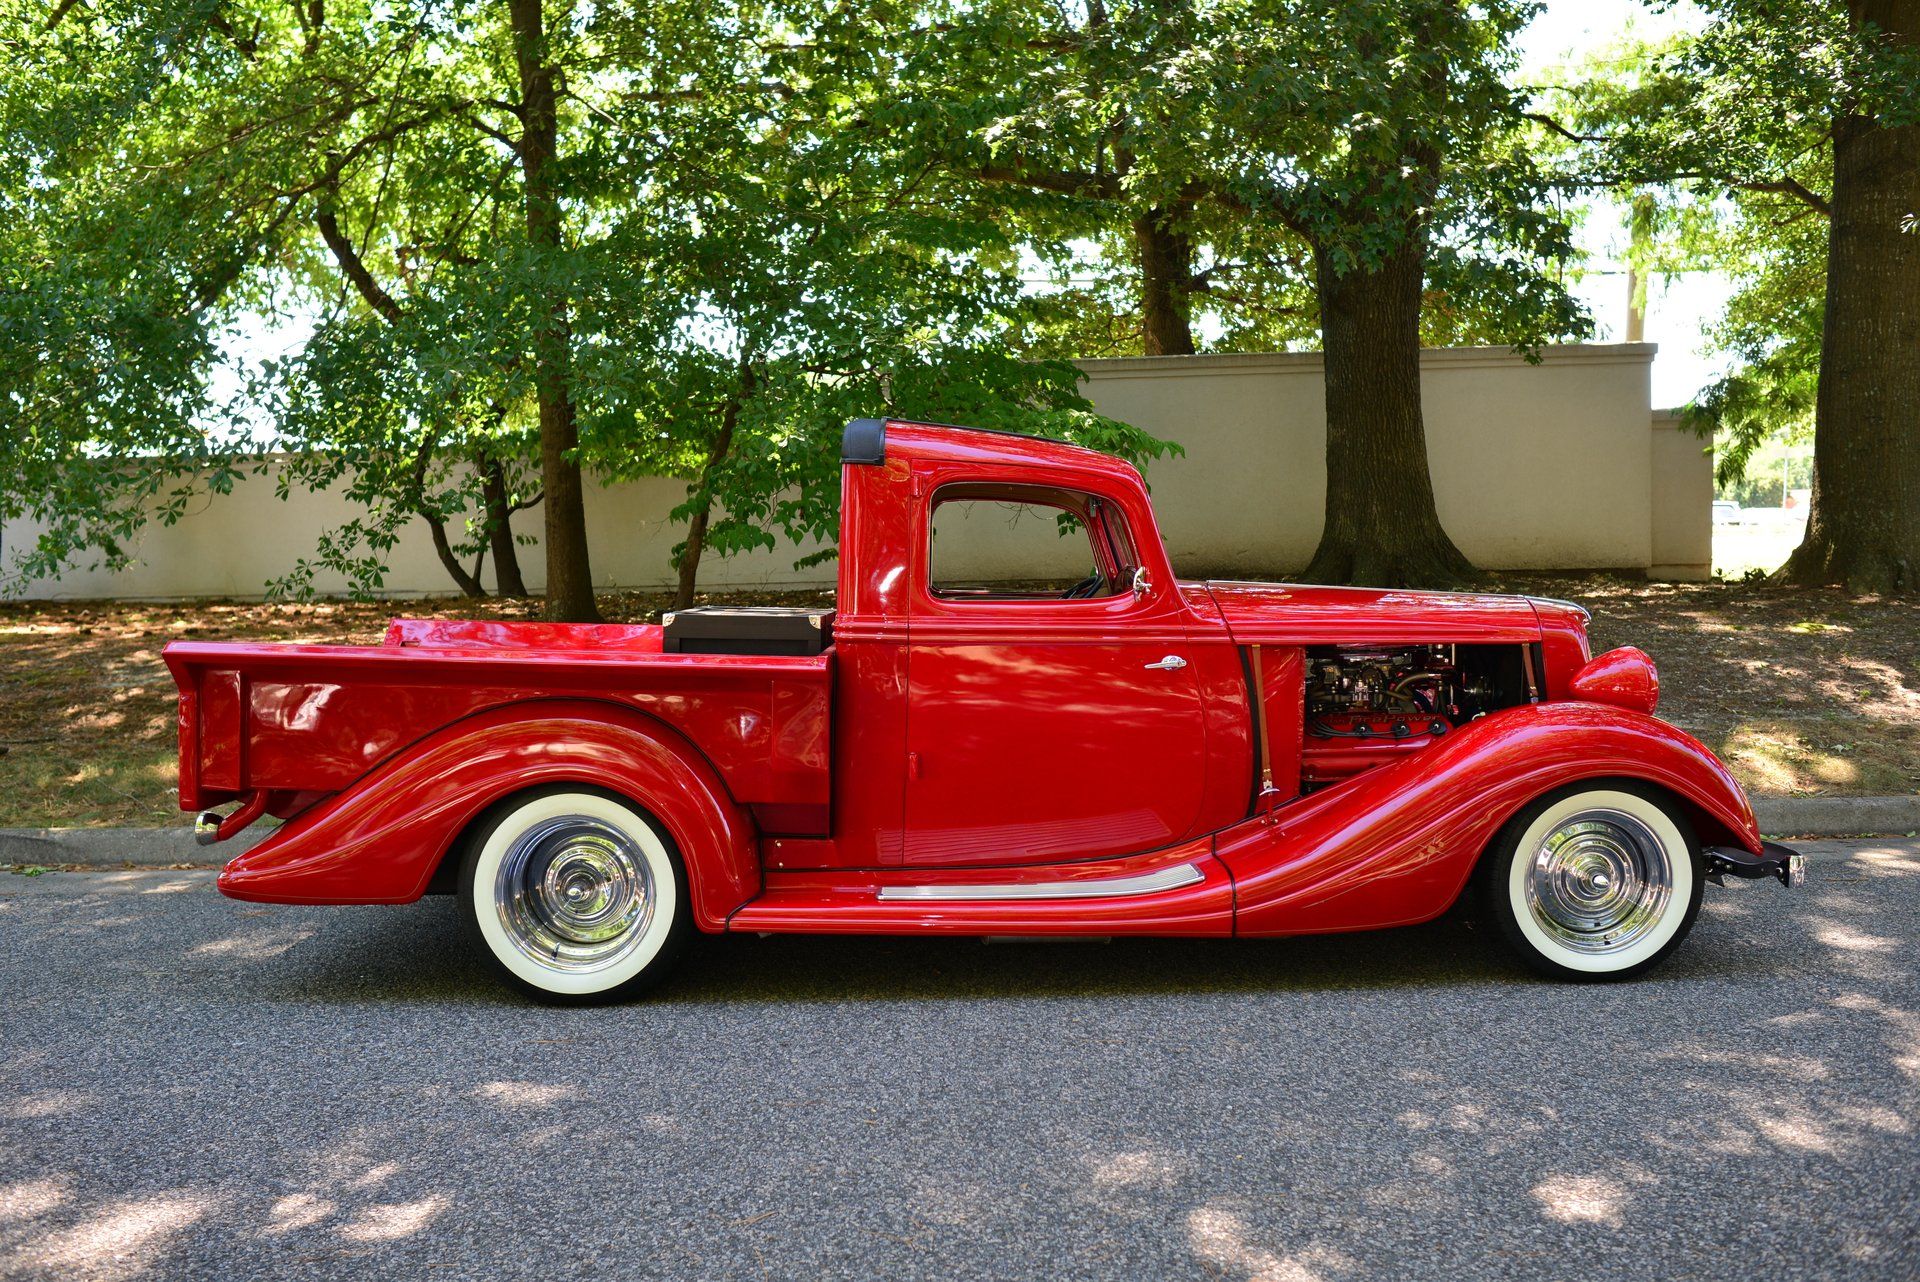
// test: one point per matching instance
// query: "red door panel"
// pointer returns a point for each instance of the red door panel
(1031, 751)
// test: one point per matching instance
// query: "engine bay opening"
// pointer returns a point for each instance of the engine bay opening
(1368, 705)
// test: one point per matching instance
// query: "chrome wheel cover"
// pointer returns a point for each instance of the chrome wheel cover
(1599, 883)
(574, 894)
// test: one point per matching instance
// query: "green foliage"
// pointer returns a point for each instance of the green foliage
(731, 251)
(1247, 132)
(1772, 323)
(821, 292)
(1730, 131)
(773, 217)
(102, 365)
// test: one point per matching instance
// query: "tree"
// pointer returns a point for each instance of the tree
(103, 399)
(1864, 530)
(569, 576)
(415, 149)
(369, 405)
(1816, 105)
(1358, 170)
(813, 284)
(1387, 138)
(1043, 118)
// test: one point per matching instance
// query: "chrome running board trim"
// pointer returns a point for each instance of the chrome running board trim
(1145, 883)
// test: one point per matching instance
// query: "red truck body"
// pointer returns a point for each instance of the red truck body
(1144, 756)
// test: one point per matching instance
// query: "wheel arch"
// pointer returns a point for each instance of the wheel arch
(1398, 844)
(1708, 825)
(444, 879)
(380, 842)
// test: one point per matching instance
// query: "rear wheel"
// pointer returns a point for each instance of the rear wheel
(576, 895)
(1594, 882)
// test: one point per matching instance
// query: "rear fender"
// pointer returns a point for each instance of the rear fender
(1396, 844)
(379, 841)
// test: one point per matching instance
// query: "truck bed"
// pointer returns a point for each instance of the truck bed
(303, 721)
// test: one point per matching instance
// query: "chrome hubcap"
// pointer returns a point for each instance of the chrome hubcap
(574, 893)
(1600, 882)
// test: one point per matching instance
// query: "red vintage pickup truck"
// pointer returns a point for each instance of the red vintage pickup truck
(976, 743)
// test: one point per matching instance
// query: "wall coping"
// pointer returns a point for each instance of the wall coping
(1311, 362)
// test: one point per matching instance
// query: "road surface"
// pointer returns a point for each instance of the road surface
(193, 1087)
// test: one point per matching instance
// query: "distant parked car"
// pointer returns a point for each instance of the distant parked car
(1727, 513)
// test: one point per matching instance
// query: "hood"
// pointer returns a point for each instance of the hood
(1304, 614)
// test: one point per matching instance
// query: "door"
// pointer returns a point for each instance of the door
(1051, 713)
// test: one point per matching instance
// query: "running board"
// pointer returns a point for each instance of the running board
(1191, 897)
(1145, 883)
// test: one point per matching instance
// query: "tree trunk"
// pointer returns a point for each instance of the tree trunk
(1381, 526)
(1166, 276)
(499, 508)
(569, 576)
(690, 553)
(1864, 532)
(470, 585)
(703, 509)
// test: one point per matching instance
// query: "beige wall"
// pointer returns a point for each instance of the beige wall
(1534, 466)
(1682, 502)
(1549, 466)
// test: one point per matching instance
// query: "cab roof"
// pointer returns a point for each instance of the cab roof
(874, 440)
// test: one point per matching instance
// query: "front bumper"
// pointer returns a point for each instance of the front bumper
(1783, 863)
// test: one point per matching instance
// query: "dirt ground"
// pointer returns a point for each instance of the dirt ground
(1801, 692)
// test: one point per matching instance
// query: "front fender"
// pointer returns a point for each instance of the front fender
(1396, 844)
(379, 841)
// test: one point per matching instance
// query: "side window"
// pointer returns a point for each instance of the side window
(1026, 543)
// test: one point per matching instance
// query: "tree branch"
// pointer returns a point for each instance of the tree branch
(313, 19)
(60, 11)
(352, 265)
(1068, 182)
(1790, 187)
(1556, 127)
(513, 144)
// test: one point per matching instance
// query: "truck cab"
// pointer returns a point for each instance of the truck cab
(1077, 704)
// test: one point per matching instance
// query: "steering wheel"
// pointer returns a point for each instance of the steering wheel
(1085, 588)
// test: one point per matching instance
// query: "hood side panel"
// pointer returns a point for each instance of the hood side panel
(1305, 614)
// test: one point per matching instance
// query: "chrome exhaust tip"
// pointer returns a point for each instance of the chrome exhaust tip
(206, 827)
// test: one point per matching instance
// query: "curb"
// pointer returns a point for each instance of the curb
(112, 847)
(1837, 816)
(158, 847)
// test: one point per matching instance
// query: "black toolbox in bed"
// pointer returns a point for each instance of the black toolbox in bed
(747, 629)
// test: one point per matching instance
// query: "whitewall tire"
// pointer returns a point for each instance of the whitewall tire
(1595, 881)
(576, 895)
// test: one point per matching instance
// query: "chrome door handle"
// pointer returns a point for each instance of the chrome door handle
(1172, 663)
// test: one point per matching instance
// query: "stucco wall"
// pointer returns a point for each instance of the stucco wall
(1682, 502)
(1556, 465)
(1542, 466)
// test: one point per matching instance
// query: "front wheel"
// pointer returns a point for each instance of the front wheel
(1594, 882)
(576, 895)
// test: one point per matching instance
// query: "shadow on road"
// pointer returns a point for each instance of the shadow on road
(420, 953)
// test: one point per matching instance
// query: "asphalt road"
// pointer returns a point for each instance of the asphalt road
(191, 1087)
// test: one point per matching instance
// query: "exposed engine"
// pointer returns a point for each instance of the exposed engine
(1408, 695)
